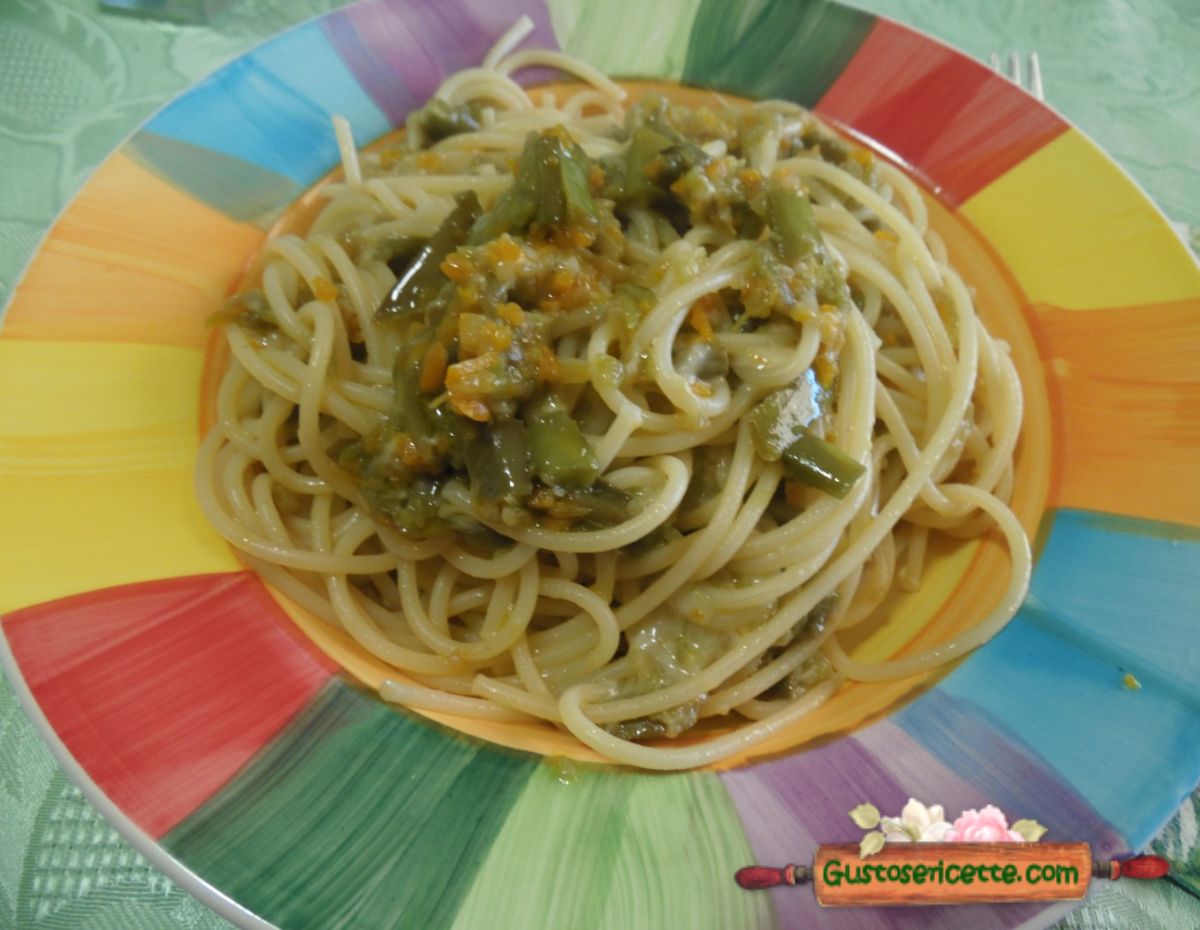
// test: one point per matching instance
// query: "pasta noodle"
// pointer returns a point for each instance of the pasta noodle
(612, 415)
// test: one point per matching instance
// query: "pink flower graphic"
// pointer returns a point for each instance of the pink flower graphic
(983, 826)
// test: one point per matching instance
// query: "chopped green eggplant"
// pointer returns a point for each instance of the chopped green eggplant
(664, 650)
(410, 503)
(517, 206)
(792, 219)
(437, 120)
(409, 411)
(606, 505)
(419, 512)
(631, 302)
(459, 433)
(498, 463)
(769, 288)
(421, 282)
(551, 188)
(396, 251)
(710, 471)
(822, 465)
(476, 533)
(781, 417)
(811, 673)
(832, 149)
(644, 146)
(568, 167)
(673, 163)
(653, 540)
(248, 310)
(559, 452)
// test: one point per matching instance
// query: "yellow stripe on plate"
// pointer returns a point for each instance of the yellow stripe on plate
(1078, 234)
(97, 446)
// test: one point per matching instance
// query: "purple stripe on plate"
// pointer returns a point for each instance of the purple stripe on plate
(924, 775)
(401, 51)
(988, 755)
(791, 805)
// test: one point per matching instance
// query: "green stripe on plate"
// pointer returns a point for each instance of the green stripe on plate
(652, 40)
(609, 848)
(732, 43)
(358, 815)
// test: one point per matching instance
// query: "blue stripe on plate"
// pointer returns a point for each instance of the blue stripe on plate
(271, 108)
(308, 63)
(1128, 589)
(1110, 595)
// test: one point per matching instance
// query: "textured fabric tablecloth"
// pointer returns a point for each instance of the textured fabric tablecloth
(74, 82)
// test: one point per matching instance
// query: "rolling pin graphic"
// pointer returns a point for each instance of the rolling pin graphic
(951, 873)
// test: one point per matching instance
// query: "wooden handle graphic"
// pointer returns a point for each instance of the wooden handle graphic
(1144, 867)
(755, 877)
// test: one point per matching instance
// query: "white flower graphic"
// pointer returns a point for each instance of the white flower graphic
(919, 823)
(916, 824)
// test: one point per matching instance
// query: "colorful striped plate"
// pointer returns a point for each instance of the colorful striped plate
(230, 738)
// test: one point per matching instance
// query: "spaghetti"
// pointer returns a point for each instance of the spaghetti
(612, 417)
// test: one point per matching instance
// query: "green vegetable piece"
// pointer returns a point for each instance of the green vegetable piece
(673, 163)
(780, 418)
(710, 472)
(653, 540)
(517, 206)
(437, 120)
(396, 251)
(458, 430)
(562, 181)
(791, 217)
(831, 148)
(746, 222)
(559, 453)
(573, 176)
(551, 187)
(498, 463)
(542, 404)
(553, 210)
(249, 310)
(413, 509)
(643, 296)
(644, 146)
(654, 112)
(483, 537)
(354, 457)
(607, 506)
(631, 303)
(822, 465)
(420, 284)
(409, 411)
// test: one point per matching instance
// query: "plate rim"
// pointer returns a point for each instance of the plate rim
(153, 850)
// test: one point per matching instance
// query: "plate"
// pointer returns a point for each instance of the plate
(233, 743)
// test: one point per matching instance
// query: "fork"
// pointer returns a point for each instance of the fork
(1014, 71)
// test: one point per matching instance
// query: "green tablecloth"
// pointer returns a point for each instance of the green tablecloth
(74, 82)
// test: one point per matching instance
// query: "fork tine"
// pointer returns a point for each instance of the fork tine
(1014, 69)
(1035, 76)
(994, 61)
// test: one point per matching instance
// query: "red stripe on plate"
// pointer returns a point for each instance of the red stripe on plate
(955, 122)
(163, 690)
